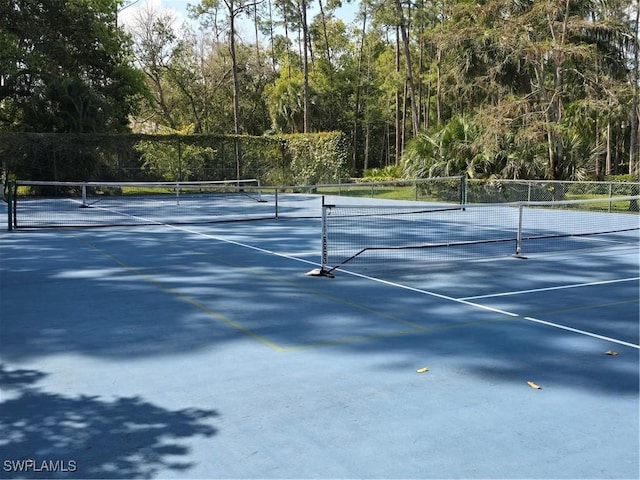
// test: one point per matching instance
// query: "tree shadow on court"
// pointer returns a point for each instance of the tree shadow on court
(91, 437)
(141, 293)
(473, 334)
(566, 337)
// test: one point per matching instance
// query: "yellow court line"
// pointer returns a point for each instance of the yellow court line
(276, 279)
(184, 298)
(400, 333)
(584, 307)
(415, 328)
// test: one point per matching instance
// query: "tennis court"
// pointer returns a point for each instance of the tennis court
(205, 350)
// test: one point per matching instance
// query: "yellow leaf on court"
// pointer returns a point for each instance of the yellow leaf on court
(422, 370)
(610, 352)
(533, 385)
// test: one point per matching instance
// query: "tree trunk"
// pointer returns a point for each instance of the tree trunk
(257, 35)
(271, 38)
(634, 147)
(305, 64)
(356, 108)
(407, 56)
(607, 165)
(367, 138)
(398, 115)
(438, 88)
(554, 112)
(325, 35)
(634, 144)
(236, 85)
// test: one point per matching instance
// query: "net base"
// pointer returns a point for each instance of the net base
(320, 272)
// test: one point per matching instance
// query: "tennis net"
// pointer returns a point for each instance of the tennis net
(409, 234)
(40, 204)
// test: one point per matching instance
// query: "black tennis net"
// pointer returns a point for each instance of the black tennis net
(408, 234)
(41, 204)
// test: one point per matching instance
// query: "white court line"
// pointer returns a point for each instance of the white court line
(581, 332)
(221, 239)
(497, 310)
(404, 287)
(547, 289)
(417, 290)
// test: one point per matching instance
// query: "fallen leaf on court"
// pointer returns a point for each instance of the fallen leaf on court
(610, 352)
(422, 370)
(533, 385)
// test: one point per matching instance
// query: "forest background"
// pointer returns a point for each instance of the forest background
(544, 89)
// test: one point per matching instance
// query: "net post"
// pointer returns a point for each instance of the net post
(323, 259)
(275, 200)
(85, 203)
(322, 271)
(463, 189)
(260, 199)
(15, 205)
(610, 195)
(518, 253)
(10, 201)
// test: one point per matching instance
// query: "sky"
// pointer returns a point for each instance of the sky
(179, 9)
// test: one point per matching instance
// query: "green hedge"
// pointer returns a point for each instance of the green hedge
(315, 158)
(275, 160)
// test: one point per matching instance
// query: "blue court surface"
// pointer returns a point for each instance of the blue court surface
(205, 351)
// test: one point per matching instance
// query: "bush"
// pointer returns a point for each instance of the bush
(316, 158)
(391, 172)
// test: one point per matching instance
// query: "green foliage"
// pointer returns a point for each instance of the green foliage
(66, 67)
(622, 178)
(391, 172)
(276, 160)
(525, 89)
(545, 81)
(316, 158)
(66, 157)
(285, 103)
(175, 161)
(448, 151)
(210, 157)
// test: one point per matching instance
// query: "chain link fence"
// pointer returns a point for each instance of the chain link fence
(499, 191)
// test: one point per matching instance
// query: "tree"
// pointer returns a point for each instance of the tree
(523, 68)
(550, 86)
(403, 27)
(207, 11)
(155, 42)
(302, 8)
(66, 67)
